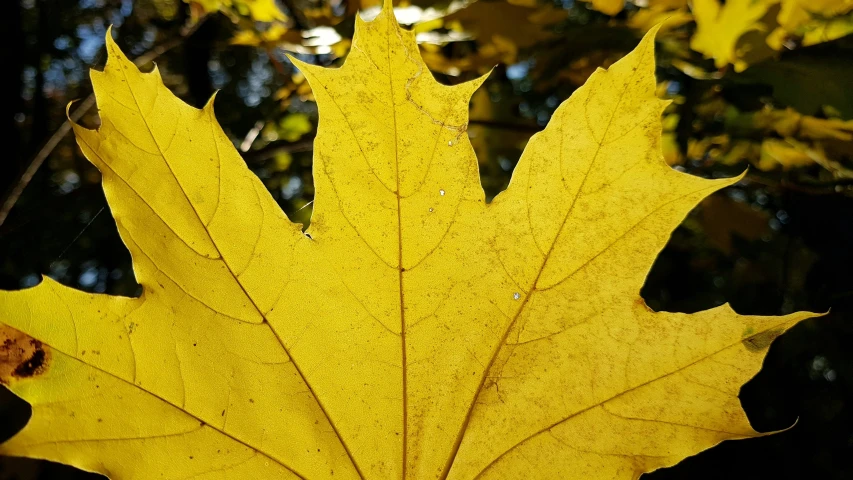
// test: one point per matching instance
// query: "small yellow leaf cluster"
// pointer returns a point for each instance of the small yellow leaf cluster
(257, 10)
(744, 32)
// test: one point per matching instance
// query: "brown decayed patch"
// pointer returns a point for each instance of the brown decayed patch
(761, 341)
(21, 356)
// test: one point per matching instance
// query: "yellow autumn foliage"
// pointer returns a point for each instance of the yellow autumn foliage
(257, 10)
(745, 32)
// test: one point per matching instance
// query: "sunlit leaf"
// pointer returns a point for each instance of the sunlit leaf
(414, 331)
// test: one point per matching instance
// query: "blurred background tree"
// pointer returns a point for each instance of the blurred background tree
(764, 84)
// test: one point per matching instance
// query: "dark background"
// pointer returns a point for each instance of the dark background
(777, 242)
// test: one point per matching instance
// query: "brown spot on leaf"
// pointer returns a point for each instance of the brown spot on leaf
(35, 362)
(761, 341)
(21, 356)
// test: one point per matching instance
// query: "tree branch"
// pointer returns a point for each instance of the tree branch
(14, 193)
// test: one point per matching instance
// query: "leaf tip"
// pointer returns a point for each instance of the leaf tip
(652, 33)
(208, 106)
(729, 181)
(68, 112)
(110, 42)
(482, 78)
(80, 131)
(306, 68)
(647, 43)
(74, 125)
(757, 339)
(114, 52)
(471, 86)
(739, 177)
(672, 20)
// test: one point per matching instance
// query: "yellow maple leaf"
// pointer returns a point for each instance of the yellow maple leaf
(746, 32)
(414, 331)
(720, 26)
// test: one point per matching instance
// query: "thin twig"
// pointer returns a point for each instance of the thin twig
(88, 224)
(278, 65)
(810, 187)
(251, 136)
(16, 191)
(82, 108)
